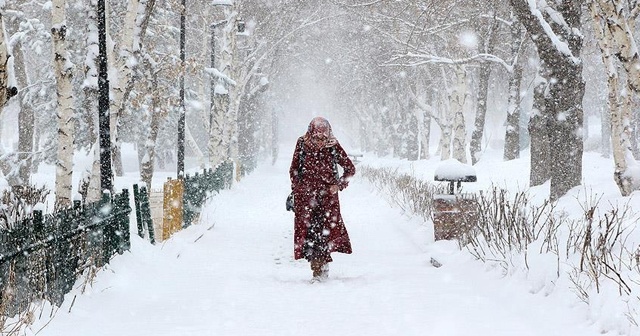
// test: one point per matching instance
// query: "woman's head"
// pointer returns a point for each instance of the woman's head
(319, 127)
(319, 133)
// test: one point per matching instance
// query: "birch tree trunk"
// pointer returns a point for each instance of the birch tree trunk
(191, 142)
(425, 136)
(274, 137)
(123, 65)
(458, 100)
(91, 187)
(63, 73)
(156, 115)
(229, 59)
(26, 120)
(218, 145)
(619, 27)
(484, 74)
(6, 92)
(223, 133)
(619, 105)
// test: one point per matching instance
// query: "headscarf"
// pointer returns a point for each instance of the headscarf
(319, 127)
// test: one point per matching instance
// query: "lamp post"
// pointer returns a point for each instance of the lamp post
(181, 119)
(106, 174)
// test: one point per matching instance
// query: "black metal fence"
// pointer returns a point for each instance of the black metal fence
(42, 256)
(143, 212)
(198, 186)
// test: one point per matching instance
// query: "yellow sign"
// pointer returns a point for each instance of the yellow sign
(172, 208)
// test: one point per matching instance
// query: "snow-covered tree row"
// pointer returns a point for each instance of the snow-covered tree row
(395, 76)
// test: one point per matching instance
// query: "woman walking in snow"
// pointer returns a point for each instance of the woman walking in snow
(319, 229)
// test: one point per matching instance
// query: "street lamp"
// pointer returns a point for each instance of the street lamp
(106, 174)
(181, 119)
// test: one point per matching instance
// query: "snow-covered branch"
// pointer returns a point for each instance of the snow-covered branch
(422, 59)
(219, 75)
(560, 45)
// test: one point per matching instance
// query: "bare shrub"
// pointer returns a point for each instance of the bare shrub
(410, 194)
(17, 203)
(509, 225)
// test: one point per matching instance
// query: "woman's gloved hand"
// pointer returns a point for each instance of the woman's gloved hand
(342, 184)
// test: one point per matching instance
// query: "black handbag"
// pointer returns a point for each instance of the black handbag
(290, 202)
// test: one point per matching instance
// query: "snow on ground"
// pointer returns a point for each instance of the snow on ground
(233, 274)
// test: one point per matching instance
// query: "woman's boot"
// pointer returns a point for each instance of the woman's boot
(324, 271)
(316, 267)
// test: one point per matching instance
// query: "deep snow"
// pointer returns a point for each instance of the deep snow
(233, 274)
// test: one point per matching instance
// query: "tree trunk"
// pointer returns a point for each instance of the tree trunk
(425, 142)
(90, 188)
(458, 101)
(605, 129)
(619, 107)
(274, 137)
(218, 145)
(223, 129)
(566, 90)
(5, 91)
(118, 86)
(26, 118)
(228, 61)
(146, 172)
(539, 134)
(63, 72)
(484, 74)
(512, 133)
(475, 147)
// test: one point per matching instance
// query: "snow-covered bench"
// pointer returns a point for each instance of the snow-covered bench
(454, 213)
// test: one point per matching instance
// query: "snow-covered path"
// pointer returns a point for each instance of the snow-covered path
(233, 274)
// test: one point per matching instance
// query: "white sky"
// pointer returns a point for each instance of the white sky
(233, 274)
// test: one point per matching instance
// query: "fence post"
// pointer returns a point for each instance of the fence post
(105, 209)
(136, 201)
(125, 235)
(187, 201)
(145, 213)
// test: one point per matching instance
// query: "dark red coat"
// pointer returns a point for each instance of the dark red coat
(312, 189)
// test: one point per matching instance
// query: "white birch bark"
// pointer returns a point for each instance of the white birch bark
(619, 104)
(218, 145)
(123, 64)
(191, 142)
(4, 70)
(93, 190)
(458, 99)
(446, 128)
(63, 73)
(619, 26)
(223, 132)
(91, 96)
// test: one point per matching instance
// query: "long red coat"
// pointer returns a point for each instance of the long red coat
(312, 190)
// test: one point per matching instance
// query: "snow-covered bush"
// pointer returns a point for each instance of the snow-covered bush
(595, 256)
